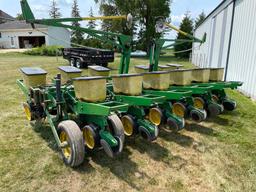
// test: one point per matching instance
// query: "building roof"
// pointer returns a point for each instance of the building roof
(4, 15)
(221, 3)
(18, 25)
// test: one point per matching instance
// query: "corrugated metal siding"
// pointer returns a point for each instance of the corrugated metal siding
(242, 60)
(217, 26)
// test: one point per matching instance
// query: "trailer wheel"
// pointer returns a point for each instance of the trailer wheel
(79, 63)
(72, 62)
(72, 142)
(117, 129)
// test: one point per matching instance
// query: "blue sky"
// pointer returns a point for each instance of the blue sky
(41, 7)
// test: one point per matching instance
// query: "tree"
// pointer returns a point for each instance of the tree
(181, 49)
(91, 23)
(77, 35)
(199, 20)
(54, 10)
(144, 12)
(19, 17)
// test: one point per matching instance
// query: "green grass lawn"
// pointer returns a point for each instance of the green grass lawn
(216, 155)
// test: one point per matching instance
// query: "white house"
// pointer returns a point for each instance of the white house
(230, 43)
(19, 34)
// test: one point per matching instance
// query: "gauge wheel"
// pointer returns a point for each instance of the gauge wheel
(72, 143)
(91, 138)
(179, 109)
(129, 125)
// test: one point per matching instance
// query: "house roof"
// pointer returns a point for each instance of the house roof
(4, 15)
(18, 25)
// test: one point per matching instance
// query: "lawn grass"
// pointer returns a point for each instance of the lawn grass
(216, 155)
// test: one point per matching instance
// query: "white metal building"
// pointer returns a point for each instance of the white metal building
(19, 34)
(230, 43)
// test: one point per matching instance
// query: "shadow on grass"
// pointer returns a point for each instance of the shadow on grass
(218, 120)
(121, 166)
(194, 127)
(153, 149)
(182, 140)
(44, 131)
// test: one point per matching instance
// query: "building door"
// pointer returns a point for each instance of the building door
(30, 42)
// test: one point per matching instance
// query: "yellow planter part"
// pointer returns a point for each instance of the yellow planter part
(127, 84)
(68, 73)
(88, 135)
(33, 77)
(198, 103)
(155, 116)
(164, 68)
(128, 124)
(91, 89)
(201, 75)
(158, 80)
(27, 111)
(180, 77)
(216, 74)
(179, 109)
(67, 149)
(141, 68)
(175, 66)
(96, 70)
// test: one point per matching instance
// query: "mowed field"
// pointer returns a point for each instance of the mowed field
(216, 155)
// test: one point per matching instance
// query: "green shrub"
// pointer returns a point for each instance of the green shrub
(45, 50)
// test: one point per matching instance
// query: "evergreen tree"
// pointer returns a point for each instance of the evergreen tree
(54, 10)
(91, 23)
(200, 19)
(181, 48)
(77, 35)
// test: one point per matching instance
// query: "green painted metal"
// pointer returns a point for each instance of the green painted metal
(108, 138)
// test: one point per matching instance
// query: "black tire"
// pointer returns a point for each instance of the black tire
(174, 126)
(198, 115)
(72, 62)
(79, 64)
(145, 134)
(229, 105)
(116, 127)
(214, 109)
(75, 143)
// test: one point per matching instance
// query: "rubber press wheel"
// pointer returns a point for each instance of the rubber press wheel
(72, 142)
(229, 105)
(116, 128)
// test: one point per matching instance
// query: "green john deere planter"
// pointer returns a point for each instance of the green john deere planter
(95, 122)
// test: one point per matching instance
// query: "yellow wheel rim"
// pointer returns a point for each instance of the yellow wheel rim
(27, 111)
(178, 109)
(88, 138)
(66, 150)
(128, 125)
(155, 116)
(198, 103)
